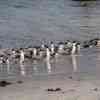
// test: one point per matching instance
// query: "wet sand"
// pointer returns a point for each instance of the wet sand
(75, 77)
(70, 89)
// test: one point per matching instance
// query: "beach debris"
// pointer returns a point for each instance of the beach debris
(95, 89)
(53, 90)
(63, 92)
(58, 89)
(19, 82)
(4, 83)
(70, 77)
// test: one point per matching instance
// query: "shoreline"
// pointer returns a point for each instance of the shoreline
(70, 89)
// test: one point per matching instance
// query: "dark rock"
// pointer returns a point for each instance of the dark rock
(19, 82)
(83, 0)
(54, 90)
(58, 89)
(95, 89)
(63, 92)
(50, 90)
(70, 77)
(4, 83)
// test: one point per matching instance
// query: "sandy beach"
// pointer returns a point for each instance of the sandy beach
(69, 89)
(26, 23)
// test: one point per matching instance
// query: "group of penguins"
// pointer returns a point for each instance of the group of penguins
(45, 51)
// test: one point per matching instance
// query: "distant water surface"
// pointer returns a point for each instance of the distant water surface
(27, 22)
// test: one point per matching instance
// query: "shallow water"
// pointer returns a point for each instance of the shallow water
(28, 22)
(85, 65)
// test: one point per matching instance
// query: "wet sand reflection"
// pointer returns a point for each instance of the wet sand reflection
(22, 69)
(48, 64)
(35, 67)
(98, 65)
(8, 66)
(73, 65)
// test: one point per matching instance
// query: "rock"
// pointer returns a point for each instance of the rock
(58, 89)
(53, 90)
(19, 82)
(95, 89)
(4, 83)
(50, 90)
(70, 77)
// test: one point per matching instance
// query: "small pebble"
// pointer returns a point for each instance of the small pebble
(63, 92)
(70, 77)
(19, 82)
(50, 90)
(4, 83)
(95, 89)
(58, 89)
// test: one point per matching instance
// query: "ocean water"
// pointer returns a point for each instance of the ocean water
(29, 22)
